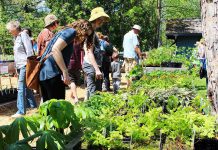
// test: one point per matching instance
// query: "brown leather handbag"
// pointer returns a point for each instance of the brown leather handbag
(33, 67)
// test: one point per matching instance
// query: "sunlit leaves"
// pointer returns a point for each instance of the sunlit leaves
(51, 140)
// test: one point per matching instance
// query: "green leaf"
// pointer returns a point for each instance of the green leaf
(50, 143)
(32, 126)
(50, 140)
(23, 127)
(40, 143)
(13, 132)
(19, 147)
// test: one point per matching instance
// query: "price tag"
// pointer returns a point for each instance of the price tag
(3, 69)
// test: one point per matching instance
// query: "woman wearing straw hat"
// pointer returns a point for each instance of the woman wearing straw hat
(93, 59)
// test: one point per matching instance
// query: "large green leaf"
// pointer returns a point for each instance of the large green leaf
(40, 144)
(51, 140)
(20, 125)
(18, 147)
(13, 132)
(62, 113)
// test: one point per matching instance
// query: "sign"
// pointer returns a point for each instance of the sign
(3, 69)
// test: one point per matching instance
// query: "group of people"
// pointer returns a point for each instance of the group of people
(76, 46)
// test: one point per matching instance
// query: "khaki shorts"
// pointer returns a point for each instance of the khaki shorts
(129, 63)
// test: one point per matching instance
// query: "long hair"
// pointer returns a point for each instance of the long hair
(82, 27)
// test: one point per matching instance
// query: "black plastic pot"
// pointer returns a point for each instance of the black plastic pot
(153, 65)
(206, 144)
(165, 64)
(8, 95)
(171, 64)
(176, 65)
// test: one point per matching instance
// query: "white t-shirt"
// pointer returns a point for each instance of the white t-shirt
(22, 49)
(130, 41)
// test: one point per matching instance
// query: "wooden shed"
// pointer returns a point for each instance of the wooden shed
(185, 32)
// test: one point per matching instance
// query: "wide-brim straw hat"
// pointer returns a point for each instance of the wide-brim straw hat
(98, 12)
(49, 19)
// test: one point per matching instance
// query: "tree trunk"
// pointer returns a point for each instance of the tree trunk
(209, 14)
(159, 28)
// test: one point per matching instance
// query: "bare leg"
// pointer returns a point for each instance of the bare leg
(74, 92)
(128, 82)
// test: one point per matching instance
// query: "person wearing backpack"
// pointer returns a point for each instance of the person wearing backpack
(22, 49)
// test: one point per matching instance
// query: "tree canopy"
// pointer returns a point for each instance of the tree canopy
(123, 15)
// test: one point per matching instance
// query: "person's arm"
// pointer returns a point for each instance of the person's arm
(59, 45)
(115, 49)
(93, 62)
(136, 45)
(27, 44)
(48, 38)
(90, 56)
(138, 51)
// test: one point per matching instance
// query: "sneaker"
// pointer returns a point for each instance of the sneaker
(31, 108)
(17, 115)
(104, 90)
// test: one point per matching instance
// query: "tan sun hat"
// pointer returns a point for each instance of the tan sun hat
(137, 27)
(49, 19)
(97, 13)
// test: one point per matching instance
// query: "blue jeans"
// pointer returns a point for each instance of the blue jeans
(89, 70)
(25, 96)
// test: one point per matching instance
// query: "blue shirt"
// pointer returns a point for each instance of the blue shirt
(50, 68)
(130, 41)
(102, 44)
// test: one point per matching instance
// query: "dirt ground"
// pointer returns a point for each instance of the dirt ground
(7, 111)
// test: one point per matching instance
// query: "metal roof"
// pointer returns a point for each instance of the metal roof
(183, 27)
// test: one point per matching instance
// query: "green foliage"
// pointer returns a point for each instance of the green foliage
(123, 15)
(51, 140)
(19, 147)
(53, 116)
(171, 54)
(174, 9)
(136, 72)
(159, 103)
(159, 55)
(181, 124)
(54, 108)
